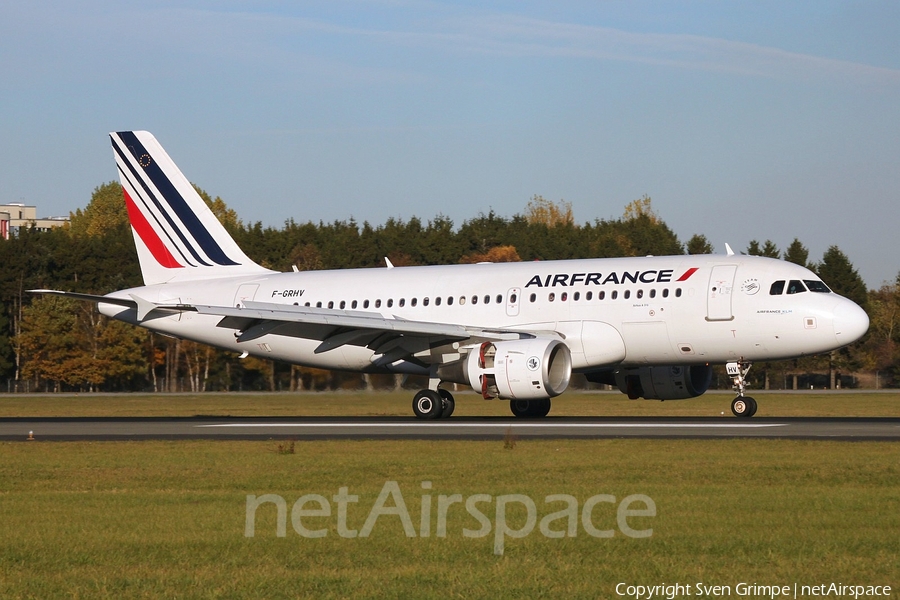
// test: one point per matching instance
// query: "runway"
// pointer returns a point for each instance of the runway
(465, 428)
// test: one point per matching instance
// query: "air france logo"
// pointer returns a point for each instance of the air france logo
(614, 278)
(533, 363)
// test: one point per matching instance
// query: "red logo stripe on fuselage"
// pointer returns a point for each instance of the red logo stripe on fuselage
(145, 231)
(687, 274)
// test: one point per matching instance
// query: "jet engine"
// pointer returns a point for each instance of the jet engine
(514, 370)
(664, 383)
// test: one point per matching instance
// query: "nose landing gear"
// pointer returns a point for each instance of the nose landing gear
(742, 406)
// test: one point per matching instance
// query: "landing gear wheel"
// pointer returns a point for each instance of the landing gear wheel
(519, 408)
(752, 404)
(428, 404)
(540, 408)
(743, 406)
(448, 403)
(530, 409)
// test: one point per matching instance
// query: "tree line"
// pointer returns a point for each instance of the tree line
(52, 343)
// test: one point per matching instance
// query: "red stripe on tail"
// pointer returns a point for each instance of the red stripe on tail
(143, 228)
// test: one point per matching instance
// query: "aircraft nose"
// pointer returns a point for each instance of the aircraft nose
(850, 322)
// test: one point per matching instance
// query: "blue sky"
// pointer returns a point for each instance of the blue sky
(741, 120)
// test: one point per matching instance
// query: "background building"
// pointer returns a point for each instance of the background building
(16, 215)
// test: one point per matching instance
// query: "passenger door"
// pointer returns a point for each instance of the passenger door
(719, 294)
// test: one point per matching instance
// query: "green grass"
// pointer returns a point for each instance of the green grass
(166, 519)
(821, 404)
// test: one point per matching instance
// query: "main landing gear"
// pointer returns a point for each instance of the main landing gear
(439, 404)
(742, 406)
(433, 404)
(530, 408)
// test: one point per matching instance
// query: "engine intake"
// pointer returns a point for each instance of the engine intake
(515, 370)
(665, 383)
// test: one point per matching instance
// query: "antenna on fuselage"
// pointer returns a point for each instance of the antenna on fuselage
(728, 250)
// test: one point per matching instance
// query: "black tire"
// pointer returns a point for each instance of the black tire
(530, 409)
(740, 407)
(428, 405)
(448, 403)
(752, 402)
(540, 408)
(519, 408)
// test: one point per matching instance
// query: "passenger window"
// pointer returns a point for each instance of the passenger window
(666, 293)
(462, 300)
(378, 303)
(413, 302)
(318, 305)
(777, 288)
(678, 292)
(653, 293)
(425, 301)
(817, 286)
(640, 293)
(551, 297)
(614, 295)
(588, 295)
(390, 302)
(487, 299)
(402, 302)
(474, 299)
(533, 297)
(564, 297)
(627, 294)
(601, 296)
(795, 287)
(365, 304)
(343, 304)
(449, 300)
(500, 298)
(576, 296)
(437, 301)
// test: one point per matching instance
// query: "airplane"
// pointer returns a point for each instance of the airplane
(651, 326)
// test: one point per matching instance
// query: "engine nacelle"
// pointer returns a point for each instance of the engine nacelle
(665, 383)
(515, 370)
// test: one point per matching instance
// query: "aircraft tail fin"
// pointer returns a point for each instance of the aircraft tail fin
(178, 238)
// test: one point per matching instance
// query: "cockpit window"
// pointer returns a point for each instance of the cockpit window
(816, 286)
(777, 288)
(795, 287)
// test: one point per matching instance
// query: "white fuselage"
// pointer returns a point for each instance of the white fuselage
(610, 312)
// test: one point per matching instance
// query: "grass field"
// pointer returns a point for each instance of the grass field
(771, 404)
(167, 519)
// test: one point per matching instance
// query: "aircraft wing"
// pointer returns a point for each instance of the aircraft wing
(391, 337)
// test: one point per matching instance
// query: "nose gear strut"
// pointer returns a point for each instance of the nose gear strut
(742, 406)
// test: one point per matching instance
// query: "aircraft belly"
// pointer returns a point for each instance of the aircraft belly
(647, 342)
(592, 343)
